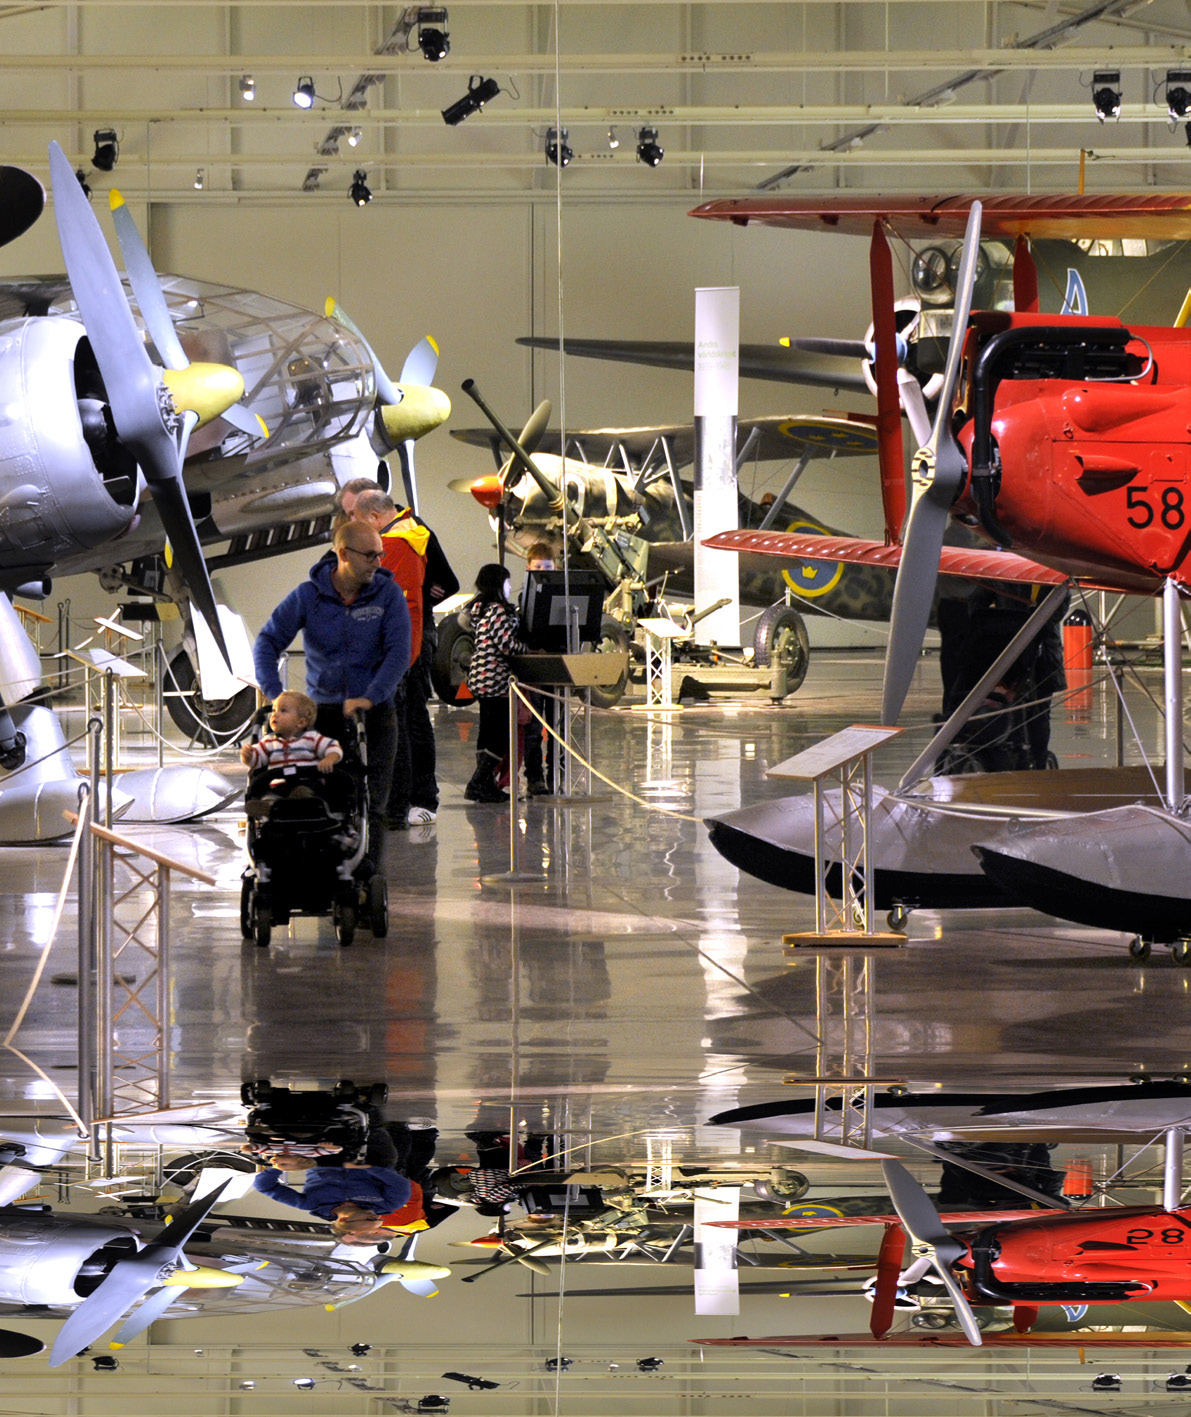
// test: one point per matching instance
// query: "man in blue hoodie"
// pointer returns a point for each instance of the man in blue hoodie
(355, 631)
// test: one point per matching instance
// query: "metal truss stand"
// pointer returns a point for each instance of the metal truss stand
(846, 760)
(124, 981)
(660, 635)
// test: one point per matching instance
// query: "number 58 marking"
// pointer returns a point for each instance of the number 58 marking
(1170, 513)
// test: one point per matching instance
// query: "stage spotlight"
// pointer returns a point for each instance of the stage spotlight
(1178, 93)
(200, 180)
(558, 1365)
(433, 39)
(247, 88)
(353, 138)
(474, 1384)
(304, 1384)
(83, 183)
(479, 92)
(649, 150)
(558, 150)
(613, 140)
(248, 1385)
(107, 149)
(105, 1364)
(1106, 1382)
(433, 1403)
(1106, 93)
(1178, 1382)
(360, 192)
(361, 1350)
(304, 94)
(649, 1365)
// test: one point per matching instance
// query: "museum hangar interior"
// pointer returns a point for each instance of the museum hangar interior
(635, 983)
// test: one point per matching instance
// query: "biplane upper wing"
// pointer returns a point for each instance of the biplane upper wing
(915, 1338)
(1146, 214)
(974, 563)
(779, 436)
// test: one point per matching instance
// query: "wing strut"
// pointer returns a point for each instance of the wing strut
(1025, 277)
(889, 413)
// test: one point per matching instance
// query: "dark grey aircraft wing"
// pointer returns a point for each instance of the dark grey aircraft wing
(757, 361)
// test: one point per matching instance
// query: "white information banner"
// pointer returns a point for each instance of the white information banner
(717, 384)
(717, 1285)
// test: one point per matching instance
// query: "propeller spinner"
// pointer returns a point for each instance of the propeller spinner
(154, 410)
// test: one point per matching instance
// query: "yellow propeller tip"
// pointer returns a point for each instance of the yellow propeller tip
(115, 1345)
(433, 343)
(785, 340)
(264, 434)
(330, 1308)
(114, 199)
(330, 305)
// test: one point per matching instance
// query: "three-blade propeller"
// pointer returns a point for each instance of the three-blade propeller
(930, 1240)
(159, 1266)
(154, 410)
(408, 409)
(937, 477)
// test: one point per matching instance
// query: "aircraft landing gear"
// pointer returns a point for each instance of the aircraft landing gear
(1138, 948)
(1180, 951)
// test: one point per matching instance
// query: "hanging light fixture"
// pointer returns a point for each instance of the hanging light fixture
(1106, 93)
(479, 92)
(558, 150)
(353, 138)
(107, 149)
(304, 94)
(649, 150)
(247, 88)
(200, 180)
(433, 39)
(1178, 93)
(613, 140)
(360, 192)
(83, 183)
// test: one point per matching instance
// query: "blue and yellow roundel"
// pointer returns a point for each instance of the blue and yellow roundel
(812, 1210)
(812, 578)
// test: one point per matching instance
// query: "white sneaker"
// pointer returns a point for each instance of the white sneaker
(421, 816)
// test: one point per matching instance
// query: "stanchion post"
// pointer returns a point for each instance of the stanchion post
(512, 691)
(109, 739)
(86, 963)
(163, 984)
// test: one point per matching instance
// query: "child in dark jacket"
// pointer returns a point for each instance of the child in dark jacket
(496, 627)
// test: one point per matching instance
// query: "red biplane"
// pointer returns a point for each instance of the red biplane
(1063, 440)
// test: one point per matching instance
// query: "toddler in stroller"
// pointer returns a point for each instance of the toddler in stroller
(297, 1129)
(307, 806)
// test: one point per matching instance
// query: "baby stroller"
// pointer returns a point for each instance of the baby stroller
(307, 1123)
(308, 856)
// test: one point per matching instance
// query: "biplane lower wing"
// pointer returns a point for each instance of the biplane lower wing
(915, 1338)
(825, 1222)
(976, 564)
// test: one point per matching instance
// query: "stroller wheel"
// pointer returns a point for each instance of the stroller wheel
(345, 922)
(344, 1090)
(262, 920)
(378, 907)
(246, 888)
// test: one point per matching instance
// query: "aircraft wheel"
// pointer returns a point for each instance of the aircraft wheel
(344, 919)
(378, 907)
(209, 723)
(780, 638)
(452, 660)
(1180, 952)
(788, 1185)
(613, 636)
(897, 918)
(897, 1089)
(1139, 948)
(246, 892)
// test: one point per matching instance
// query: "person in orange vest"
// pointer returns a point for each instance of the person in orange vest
(412, 554)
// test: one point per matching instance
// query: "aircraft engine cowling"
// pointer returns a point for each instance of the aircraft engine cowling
(69, 485)
(46, 1259)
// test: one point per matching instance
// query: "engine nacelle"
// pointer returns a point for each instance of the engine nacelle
(57, 498)
(41, 1256)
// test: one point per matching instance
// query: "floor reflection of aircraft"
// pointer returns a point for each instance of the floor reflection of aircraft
(1060, 437)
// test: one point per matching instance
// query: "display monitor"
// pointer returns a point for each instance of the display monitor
(547, 608)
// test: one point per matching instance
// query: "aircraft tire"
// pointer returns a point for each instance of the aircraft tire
(781, 637)
(613, 636)
(452, 659)
(208, 723)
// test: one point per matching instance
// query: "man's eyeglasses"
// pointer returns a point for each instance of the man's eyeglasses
(374, 556)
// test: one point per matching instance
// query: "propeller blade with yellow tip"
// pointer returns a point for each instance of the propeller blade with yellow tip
(203, 1277)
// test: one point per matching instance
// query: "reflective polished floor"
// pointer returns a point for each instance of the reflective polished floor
(634, 986)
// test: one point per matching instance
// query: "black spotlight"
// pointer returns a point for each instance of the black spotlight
(558, 150)
(433, 39)
(304, 95)
(1178, 93)
(304, 1384)
(433, 1403)
(1178, 1382)
(82, 179)
(649, 1365)
(649, 150)
(1106, 1382)
(361, 194)
(1106, 93)
(558, 1365)
(360, 1350)
(107, 149)
(479, 92)
(106, 1364)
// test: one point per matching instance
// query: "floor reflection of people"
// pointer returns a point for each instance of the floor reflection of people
(1026, 1162)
